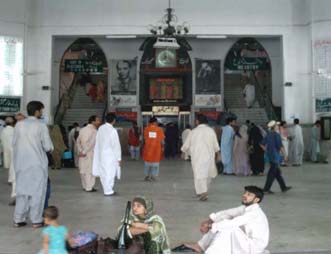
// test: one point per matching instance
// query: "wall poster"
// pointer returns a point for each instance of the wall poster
(123, 77)
(207, 76)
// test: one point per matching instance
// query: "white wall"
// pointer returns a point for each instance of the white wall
(286, 18)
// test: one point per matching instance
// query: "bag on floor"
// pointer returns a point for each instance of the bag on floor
(86, 242)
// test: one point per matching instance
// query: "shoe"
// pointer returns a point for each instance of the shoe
(19, 224)
(153, 179)
(147, 179)
(287, 189)
(203, 197)
(182, 248)
(110, 195)
(268, 192)
(12, 203)
(38, 225)
(93, 190)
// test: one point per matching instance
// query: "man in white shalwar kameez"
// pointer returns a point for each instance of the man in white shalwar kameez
(185, 134)
(7, 144)
(202, 145)
(30, 143)
(85, 144)
(227, 140)
(249, 93)
(296, 148)
(107, 155)
(315, 141)
(241, 230)
(7, 141)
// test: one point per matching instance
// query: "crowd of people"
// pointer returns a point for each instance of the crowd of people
(30, 147)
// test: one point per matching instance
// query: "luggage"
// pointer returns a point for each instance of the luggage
(68, 159)
(85, 243)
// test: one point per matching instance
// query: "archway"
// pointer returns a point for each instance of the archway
(248, 81)
(83, 82)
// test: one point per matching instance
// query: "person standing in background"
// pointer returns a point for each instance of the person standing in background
(31, 141)
(134, 141)
(85, 145)
(315, 141)
(185, 134)
(153, 149)
(227, 146)
(297, 145)
(107, 155)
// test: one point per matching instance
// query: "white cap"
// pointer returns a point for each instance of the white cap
(272, 123)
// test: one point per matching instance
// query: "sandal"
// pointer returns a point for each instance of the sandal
(204, 197)
(38, 225)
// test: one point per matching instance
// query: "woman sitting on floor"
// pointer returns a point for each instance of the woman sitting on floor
(147, 227)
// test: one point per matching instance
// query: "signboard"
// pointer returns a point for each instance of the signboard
(10, 105)
(208, 100)
(323, 105)
(247, 64)
(83, 66)
(126, 116)
(165, 110)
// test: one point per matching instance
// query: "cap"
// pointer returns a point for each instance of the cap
(272, 123)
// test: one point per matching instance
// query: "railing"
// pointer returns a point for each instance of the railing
(65, 102)
(264, 100)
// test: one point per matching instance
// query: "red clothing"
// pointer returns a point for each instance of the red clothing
(133, 139)
(153, 137)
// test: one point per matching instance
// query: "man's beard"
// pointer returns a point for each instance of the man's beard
(247, 203)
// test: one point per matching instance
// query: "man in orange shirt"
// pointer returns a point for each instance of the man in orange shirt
(153, 149)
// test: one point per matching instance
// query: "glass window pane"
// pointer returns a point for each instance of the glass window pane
(11, 66)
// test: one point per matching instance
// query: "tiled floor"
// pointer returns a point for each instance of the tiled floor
(300, 220)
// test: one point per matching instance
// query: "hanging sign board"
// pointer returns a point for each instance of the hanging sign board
(10, 105)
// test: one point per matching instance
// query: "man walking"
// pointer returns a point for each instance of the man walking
(153, 149)
(272, 145)
(85, 145)
(202, 145)
(31, 141)
(107, 155)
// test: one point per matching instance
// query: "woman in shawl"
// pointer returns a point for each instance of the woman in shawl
(240, 153)
(256, 152)
(59, 146)
(147, 227)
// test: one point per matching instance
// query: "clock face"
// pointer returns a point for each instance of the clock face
(165, 58)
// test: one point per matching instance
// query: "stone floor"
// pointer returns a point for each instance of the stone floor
(300, 220)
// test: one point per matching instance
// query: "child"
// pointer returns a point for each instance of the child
(144, 224)
(54, 235)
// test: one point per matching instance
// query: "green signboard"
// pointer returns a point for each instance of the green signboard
(323, 105)
(10, 105)
(83, 66)
(247, 64)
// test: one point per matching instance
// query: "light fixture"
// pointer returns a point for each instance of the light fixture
(120, 36)
(168, 27)
(211, 36)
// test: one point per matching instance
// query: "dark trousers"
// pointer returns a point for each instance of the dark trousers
(48, 193)
(274, 172)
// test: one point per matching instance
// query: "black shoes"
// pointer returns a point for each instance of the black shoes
(93, 190)
(19, 224)
(287, 189)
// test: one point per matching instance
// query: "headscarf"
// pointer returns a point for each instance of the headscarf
(156, 227)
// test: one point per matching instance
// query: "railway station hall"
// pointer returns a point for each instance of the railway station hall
(165, 126)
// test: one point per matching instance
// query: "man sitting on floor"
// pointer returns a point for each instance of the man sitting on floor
(241, 230)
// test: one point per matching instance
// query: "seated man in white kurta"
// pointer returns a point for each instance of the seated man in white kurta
(241, 230)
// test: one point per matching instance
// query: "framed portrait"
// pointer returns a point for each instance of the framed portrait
(123, 77)
(207, 76)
